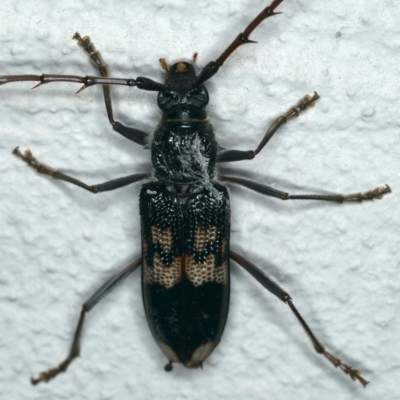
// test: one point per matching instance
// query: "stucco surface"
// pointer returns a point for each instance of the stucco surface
(340, 263)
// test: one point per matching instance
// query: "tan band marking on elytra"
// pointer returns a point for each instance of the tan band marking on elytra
(199, 355)
(167, 276)
(204, 235)
(199, 274)
(164, 237)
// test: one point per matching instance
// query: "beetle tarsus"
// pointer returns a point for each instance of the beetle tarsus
(354, 374)
(46, 376)
(306, 102)
(28, 157)
(374, 194)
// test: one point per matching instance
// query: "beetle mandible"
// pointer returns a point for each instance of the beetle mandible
(185, 210)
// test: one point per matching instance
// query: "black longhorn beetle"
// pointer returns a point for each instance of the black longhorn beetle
(185, 210)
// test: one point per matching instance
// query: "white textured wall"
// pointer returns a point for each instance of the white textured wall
(340, 263)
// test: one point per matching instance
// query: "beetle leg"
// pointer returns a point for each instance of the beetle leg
(373, 194)
(28, 157)
(46, 376)
(240, 155)
(275, 289)
(133, 134)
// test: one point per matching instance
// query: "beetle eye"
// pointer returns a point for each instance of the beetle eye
(165, 100)
(199, 98)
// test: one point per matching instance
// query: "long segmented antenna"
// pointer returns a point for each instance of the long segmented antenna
(140, 82)
(243, 38)
(145, 83)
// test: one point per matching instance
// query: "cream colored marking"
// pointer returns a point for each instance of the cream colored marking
(199, 355)
(202, 236)
(169, 353)
(186, 265)
(199, 274)
(164, 237)
(224, 246)
(181, 67)
(167, 276)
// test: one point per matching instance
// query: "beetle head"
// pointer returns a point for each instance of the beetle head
(182, 99)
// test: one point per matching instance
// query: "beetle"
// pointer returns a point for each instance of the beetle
(184, 207)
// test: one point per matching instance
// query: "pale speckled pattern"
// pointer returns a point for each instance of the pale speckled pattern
(340, 263)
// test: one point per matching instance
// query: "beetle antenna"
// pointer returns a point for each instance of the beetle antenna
(243, 38)
(194, 58)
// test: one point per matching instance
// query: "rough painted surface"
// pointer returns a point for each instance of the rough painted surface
(340, 263)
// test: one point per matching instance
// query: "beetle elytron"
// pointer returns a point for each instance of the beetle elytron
(185, 210)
